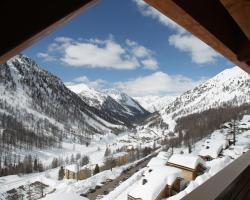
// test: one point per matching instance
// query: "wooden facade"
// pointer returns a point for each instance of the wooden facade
(231, 183)
(206, 158)
(121, 160)
(81, 175)
(188, 173)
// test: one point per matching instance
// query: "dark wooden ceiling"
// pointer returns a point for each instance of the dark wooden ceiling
(222, 24)
(24, 22)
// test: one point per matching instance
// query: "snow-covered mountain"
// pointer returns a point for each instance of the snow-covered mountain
(40, 102)
(155, 103)
(231, 88)
(114, 106)
(126, 101)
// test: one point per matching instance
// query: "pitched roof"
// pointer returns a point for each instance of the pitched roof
(156, 161)
(156, 180)
(186, 160)
(72, 168)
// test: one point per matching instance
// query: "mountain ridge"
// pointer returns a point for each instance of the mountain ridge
(122, 108)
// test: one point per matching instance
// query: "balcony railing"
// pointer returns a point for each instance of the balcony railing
(233, 182)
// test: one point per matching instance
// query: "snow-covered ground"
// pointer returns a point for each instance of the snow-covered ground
(95, 150)
(155, 103)
(50, 178)
(213, 167)
(72, 188)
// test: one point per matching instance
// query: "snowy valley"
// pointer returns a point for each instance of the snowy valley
(48, 128)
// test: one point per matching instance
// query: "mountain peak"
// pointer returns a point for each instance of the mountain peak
(228, 88)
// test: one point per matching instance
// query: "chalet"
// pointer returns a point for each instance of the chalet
(157, 161)
(74, 172)
(120, 158)
(163, 155)
(244, 127)
(190, 165)
(157, 183)
(246, 118)
(213, 148)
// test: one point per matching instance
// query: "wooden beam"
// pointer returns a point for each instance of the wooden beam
(209, 21)
(240, 11)
(244, 52)
(25, 22)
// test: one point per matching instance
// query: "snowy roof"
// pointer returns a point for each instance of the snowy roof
(192, 185)
(64, 196)
(246, 118)
(156, 161)
(72, 168)
(217, 164)
(117, 155)
(213, 149)
(163, 155)
(157, 179)
(244, 126)
(178, 196)
(76, 167)
(240, 149)
(186, 160)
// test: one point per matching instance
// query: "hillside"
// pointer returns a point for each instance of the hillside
(230, 88)
(155, 103)
(113, 106)
(38, 103)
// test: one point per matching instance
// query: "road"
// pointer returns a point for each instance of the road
(109, 186)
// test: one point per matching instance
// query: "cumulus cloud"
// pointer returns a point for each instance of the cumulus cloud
(200, 52)
(158, 83)
(98, 84)
(46, 57)
(96, 53)
(149, 11)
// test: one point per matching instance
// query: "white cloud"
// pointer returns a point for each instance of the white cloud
(96, 53)
(158, 83)
(200, 52)
(98, 84)
(46, 57)
(150, 63)
(149, 11)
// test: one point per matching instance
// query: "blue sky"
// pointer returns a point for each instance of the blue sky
(129, 46)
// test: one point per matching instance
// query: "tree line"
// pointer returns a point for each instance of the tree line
(197, 126)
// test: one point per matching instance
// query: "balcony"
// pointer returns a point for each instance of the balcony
(233, 182)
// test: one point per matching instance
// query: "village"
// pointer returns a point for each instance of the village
(171, 175)
(143, 172)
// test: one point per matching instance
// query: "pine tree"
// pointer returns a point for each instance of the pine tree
(67, 160)
(78, 156)
(84, 160)
(107, 152)
(54, 163)
(35, 167)
(61, 173)
(96, 170)
(72, 159)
